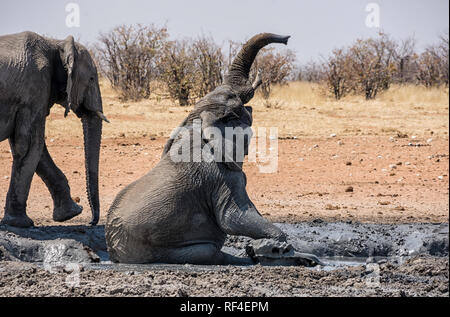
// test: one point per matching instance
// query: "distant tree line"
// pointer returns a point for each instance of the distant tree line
(140, 60)
(370, 66)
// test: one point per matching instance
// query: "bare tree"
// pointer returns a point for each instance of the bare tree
(311, 72)
(433, 64)
(366, 67)
(179, 72)
(428, 73)
(129, 56)
(444, 57)
(338, 77)
(209, 64)
(373, 64)
(274, 67)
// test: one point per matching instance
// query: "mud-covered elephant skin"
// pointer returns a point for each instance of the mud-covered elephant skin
(36, 73)
(181, 211)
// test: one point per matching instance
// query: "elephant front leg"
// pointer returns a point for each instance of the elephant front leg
(237, 215)
(64, 208)
(246, 221)
(26, 146)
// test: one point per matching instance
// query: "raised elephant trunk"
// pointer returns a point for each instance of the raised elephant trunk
(92, 129)
(240, 68)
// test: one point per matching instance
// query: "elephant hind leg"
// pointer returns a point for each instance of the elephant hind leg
(64, 208)
(203, 253)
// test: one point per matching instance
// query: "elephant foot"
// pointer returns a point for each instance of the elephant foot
(307, 259)
(22, 221)
(272, 252)
(61, 214)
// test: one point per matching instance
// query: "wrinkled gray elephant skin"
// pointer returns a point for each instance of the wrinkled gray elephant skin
(35, 73)
(181, 212)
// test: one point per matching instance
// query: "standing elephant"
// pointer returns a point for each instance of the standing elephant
(181, 211)
(35, 73)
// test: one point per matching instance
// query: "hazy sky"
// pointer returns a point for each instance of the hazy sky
(316, 26)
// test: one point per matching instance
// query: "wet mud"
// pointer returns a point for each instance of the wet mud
(357, 260)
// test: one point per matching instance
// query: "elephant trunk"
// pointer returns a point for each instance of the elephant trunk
(240, 68)
(92, 129)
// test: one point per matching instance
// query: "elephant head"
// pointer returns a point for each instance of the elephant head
(224, 107)
(82, 96)
(228, 134)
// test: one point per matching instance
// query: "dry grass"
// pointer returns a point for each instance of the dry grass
(302, 109)
(297, 109)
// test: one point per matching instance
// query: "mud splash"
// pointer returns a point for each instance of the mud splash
(356, 240)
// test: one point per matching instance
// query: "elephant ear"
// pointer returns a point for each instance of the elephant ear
(69, 64)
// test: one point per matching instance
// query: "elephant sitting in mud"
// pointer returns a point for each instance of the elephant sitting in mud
(35, 73)
(182, 210)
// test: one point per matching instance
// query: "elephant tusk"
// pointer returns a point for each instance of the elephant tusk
(66, 112)
(257, 82)
(102, 116)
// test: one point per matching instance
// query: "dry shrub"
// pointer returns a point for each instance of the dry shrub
(192, 69)
(136, 59)
(130, 57)
(311, 72)
(209, 65)
(367, 67)
(337, 73)
(371, 66)
(274, 66)
(179, 71)
(433, 64)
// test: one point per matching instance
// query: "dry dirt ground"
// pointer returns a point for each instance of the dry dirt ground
(418, 276)
(385, 161)
(392, 182)
(393, 151)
